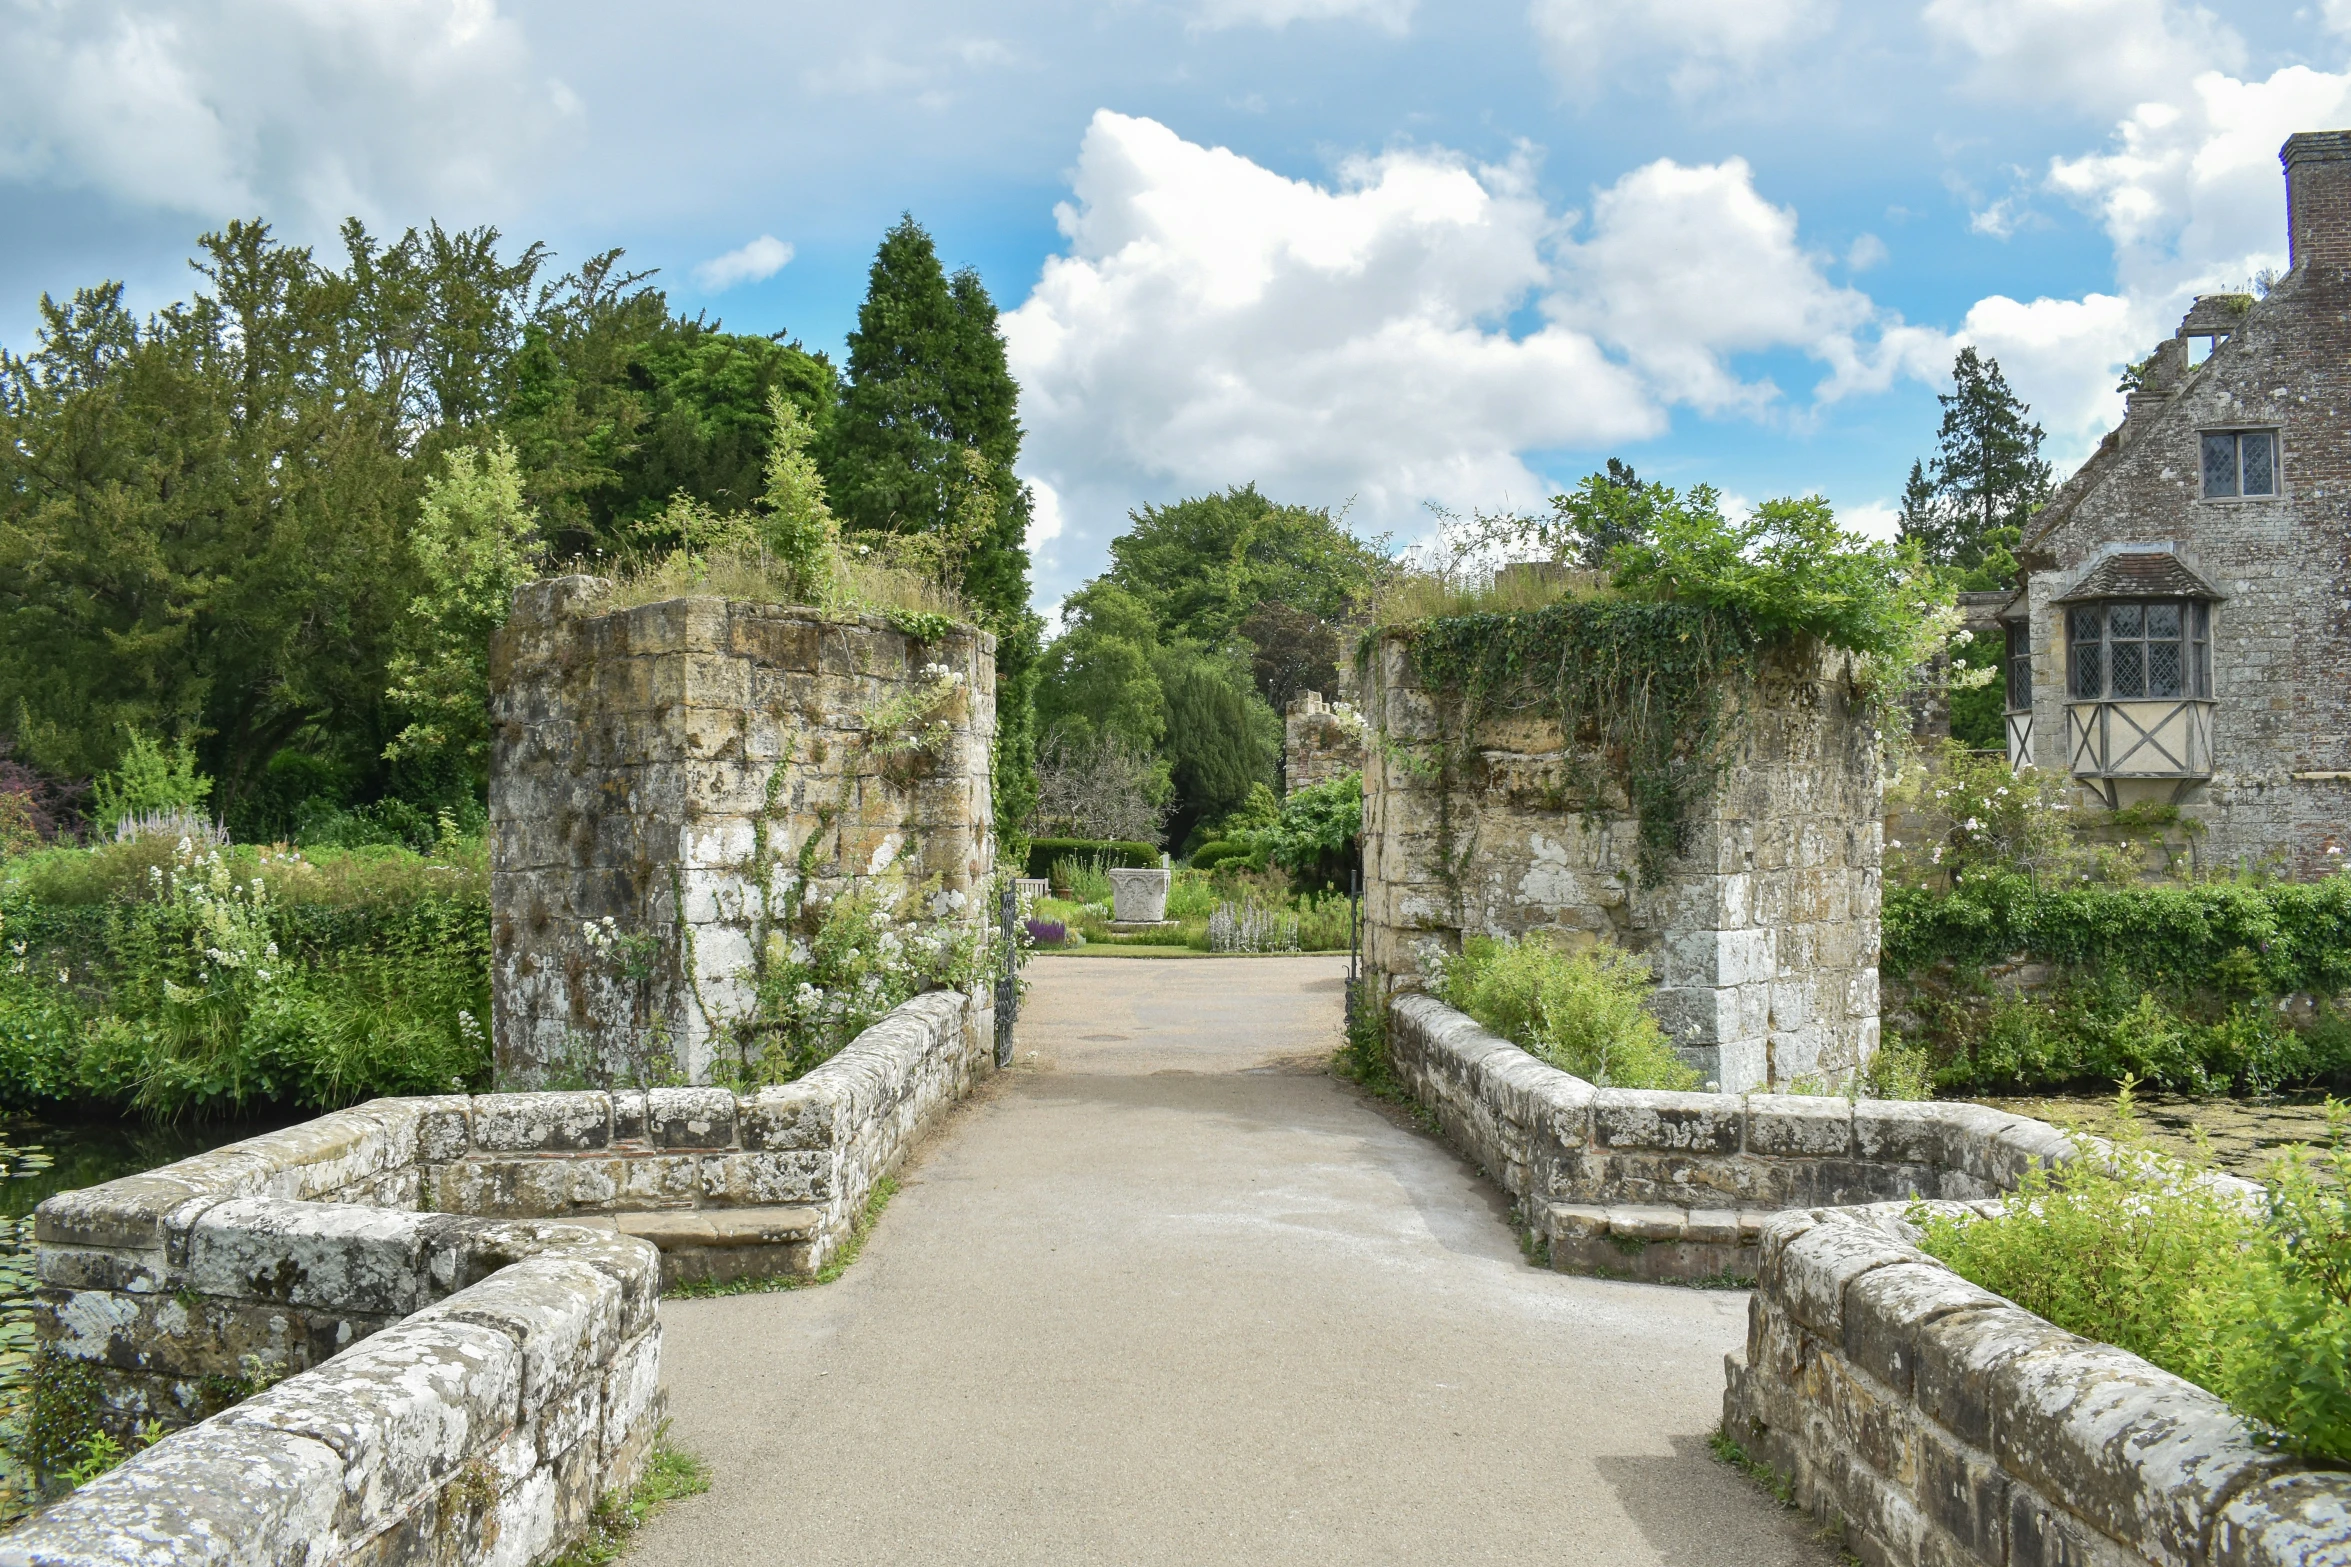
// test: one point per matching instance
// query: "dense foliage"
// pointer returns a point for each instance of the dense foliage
(1215, 612)
(2183, 985)
(1582, 1009)
(2138, 1250)
(170, 977)
(1640, 672)
(275, 523)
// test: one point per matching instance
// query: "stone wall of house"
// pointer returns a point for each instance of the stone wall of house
(1320, 741)
(459, 1294)
(2280, 788)
(1763, 936)
(1936, 1422)
(669, 781)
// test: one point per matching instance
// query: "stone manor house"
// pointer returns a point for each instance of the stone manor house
(2183, 631)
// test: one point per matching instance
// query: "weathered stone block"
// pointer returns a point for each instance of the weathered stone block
(691, 1117)
(1810, 1272)
(1958, 1356)
(2300, 1520)
(541, 1123)
(1643, 1118)
(1885, 1310)
(215, 1493)
(561, 1313)
(2143, 1455)
(329, 1256)
(1799, 1127)
(402, 1411)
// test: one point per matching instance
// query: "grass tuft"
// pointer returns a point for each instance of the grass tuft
(671, 1473)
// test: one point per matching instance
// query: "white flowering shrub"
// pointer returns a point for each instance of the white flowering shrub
(836, 965)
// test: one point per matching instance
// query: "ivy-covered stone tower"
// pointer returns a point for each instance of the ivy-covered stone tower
(1756, 897)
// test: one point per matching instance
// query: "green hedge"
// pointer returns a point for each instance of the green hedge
(1210, 855)
(1114, 853)
(2188, 987)
(2224, 938)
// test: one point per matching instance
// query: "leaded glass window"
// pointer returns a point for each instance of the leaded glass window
(2131, 650)
(2239, 463)
(2020, 666)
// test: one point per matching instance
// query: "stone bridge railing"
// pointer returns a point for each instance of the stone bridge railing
(463, 1291)
(1933, 1421)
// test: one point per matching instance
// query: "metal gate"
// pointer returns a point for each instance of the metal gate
(1008, 982)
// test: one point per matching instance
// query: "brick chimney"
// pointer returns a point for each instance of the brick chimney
(2318, 197)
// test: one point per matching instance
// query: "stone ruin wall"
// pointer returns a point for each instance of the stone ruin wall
(669, 768)
(1763, 936)
(1320, 741)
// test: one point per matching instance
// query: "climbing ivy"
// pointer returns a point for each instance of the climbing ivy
(1639, 692)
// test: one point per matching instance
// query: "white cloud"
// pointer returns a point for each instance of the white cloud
(1867, 251)
(1585, 39)
(2095, 56)
(2190, 193)
(1689, 267)
(2188, 188)
(1876, 519)
(305, 112)
(1213, 321)
(1390, 15)
(761, 258)
(1045, 518)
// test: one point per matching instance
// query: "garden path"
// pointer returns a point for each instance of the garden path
(1169, 1292)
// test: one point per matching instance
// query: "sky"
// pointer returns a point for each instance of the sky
(1379, 255)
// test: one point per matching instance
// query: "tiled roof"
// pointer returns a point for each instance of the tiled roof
(2141, 574)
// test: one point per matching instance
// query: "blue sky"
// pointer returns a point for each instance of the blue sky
(1386, 252)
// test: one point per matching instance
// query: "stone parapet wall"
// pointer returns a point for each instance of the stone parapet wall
(1764, 933)
(1942, 1424)
(459, 1293)
(509, 1375)
(1680, 1186)
(670, 782)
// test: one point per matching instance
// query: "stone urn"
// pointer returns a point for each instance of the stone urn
(1139, 897)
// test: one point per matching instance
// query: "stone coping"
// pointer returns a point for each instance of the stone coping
(466, 1383)
(1943, 1423)
(1680, 1185)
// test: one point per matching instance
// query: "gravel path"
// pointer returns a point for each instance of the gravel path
(1168, 1292)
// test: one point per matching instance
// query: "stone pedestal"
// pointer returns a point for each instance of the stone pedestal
(1139, 897)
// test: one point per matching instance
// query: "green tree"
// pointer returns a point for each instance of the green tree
(928, 385)
(1100, 676)
(1967, 508)
(1606, 510)
(1221, 737)
(475, 542)
(202, 514)
(1202, 565)
(617, 407)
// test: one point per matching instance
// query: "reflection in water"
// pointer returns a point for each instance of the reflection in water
(37, 1160)
(2244, 1136)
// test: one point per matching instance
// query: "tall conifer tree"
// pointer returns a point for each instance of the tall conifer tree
(928, 379)
(1968, 508)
